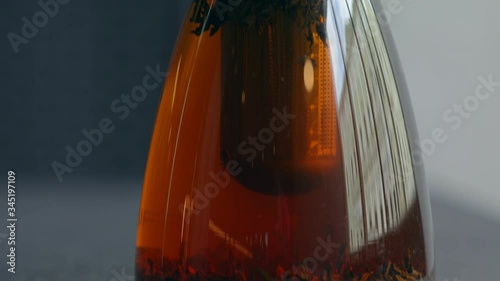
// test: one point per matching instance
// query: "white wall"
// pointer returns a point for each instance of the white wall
(445, 46)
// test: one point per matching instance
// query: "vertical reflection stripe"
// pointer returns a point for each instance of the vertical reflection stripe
(379, 174)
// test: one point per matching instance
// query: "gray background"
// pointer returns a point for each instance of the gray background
(65, 78)
(444, 47)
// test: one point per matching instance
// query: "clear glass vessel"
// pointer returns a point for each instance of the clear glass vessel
(282, 150)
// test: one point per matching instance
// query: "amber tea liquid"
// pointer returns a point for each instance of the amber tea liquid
(251, 174)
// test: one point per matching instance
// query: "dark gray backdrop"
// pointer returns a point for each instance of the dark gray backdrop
(59, 83)
(65, 78)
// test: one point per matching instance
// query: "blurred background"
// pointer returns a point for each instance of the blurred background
(66, 77)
